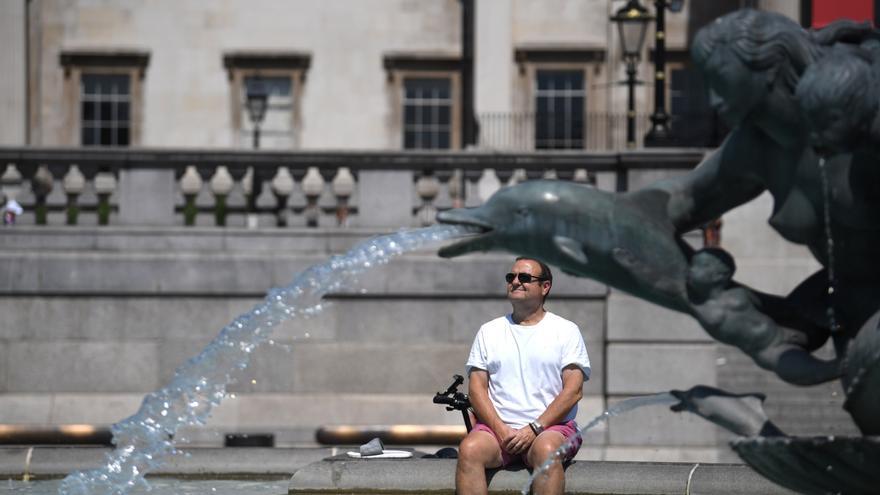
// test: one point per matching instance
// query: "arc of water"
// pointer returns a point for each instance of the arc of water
(829, 243)
(145, 439)
(621, 407)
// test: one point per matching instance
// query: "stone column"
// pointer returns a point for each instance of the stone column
(493, 64)
(146, 197)
(385, 198)
(13, 77)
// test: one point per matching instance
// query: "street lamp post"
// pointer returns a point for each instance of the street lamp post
(632, 22)
(256, 101)
(659, 135)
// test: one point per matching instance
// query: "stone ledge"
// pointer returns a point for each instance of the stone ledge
(338, 475)
(313, 471)
(202, 462)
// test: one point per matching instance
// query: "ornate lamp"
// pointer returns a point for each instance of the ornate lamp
(632, 21)
(257, 100)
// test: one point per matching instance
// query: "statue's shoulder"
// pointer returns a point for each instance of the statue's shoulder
(747, 149)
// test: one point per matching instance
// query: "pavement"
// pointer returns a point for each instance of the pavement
(328, 470)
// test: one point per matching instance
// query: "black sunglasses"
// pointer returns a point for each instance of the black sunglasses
(524, 278)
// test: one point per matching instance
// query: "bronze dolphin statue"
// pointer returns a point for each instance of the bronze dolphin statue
(585, 232)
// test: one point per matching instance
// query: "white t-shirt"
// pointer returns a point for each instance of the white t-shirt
(525, 364)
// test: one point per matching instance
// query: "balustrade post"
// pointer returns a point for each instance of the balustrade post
(191, 185)
(313, 186)
(221, 186)
(73, 184)
(343, 188)
(42, 184)
(488, 184)
(427, 187)
(282, 188)
(518, 175)
(471, 191)
(105, 184)
(581, 176)
(454, 189)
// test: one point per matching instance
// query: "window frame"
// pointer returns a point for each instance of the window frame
(240, 65)
(76, 64)
(454, 115)
(400, 67)
(584, 113)
(589, 61)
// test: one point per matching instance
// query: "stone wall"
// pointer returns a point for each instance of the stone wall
(94, 318)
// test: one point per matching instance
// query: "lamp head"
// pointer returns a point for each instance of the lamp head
(632, 22)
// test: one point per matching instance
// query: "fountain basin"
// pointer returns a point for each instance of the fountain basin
(815, 465)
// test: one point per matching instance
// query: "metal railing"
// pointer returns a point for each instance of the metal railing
(308, 189)
(597, 132)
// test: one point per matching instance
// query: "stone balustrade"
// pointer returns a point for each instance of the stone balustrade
(278, 189)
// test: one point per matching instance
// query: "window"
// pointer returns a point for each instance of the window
(559, 109)
(276, 129)
(282, 76)
(427, 113)
(552, 106)
(423, 90)
(103, 91)
(105, 114)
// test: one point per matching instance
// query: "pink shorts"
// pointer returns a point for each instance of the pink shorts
(568, 430)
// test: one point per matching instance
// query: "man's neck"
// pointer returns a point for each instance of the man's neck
(528, 315)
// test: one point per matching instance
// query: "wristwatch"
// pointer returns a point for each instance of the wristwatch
(536, 427)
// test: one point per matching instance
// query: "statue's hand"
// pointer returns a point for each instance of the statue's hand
(696, 399)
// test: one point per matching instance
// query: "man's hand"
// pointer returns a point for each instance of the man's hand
(518, 441)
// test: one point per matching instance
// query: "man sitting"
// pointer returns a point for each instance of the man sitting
(526, 373)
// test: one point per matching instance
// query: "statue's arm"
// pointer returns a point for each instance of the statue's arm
(797, 366)
(724, 180)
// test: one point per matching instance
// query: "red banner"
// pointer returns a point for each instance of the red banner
(825, 11)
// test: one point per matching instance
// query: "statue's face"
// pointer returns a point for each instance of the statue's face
(706, 272)
(735, 89)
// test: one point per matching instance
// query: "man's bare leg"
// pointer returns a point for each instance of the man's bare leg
(551, 482)
(478, 451)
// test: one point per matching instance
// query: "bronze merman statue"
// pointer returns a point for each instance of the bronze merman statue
(753, 62)
(729, 314)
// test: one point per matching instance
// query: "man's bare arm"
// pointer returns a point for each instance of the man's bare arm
(478, 393)
(572, 392)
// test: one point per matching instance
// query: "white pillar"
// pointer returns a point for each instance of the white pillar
(13, 77)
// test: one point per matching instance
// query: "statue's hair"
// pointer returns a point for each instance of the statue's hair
(762, 40)
(843, 79)
(845, 31)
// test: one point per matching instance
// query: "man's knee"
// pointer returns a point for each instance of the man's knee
(477, 449)
(543, 449)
